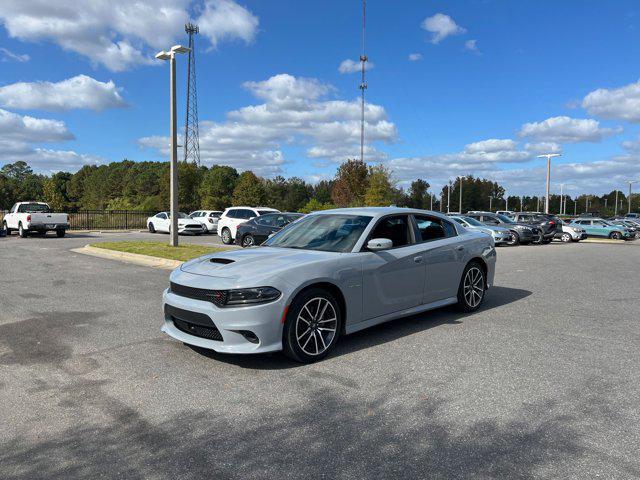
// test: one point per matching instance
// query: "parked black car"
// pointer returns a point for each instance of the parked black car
(258, 229)
(521, 233)
(550, 225)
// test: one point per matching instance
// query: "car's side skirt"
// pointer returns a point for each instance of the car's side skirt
(404, 313)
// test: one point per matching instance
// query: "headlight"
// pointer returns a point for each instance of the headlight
(251, 296)
(526, 229)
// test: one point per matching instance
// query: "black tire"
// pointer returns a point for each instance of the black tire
(152, 229)
(615, 236)
(298, 343)
(514, 240)
(566, 237)
(4, 224)
(248, 241)
(472, 287)
(226, 236)
(22, 232)
(60, 233)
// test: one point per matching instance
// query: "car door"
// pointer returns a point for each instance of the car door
(444, 255)
(12, 218)
(163, 222)
(393, 279)
(589, 228)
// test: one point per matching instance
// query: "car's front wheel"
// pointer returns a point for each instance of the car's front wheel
(566, 237)
(226, 236)
(152, 229)
(312, 326)
(60, 233)
(4, 224)
(248, 240)
(472, 287)
(514, 239)
(615, 235)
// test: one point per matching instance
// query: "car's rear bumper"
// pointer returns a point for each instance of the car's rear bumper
(44, 227)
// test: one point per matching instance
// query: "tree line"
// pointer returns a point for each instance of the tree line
(144, 186)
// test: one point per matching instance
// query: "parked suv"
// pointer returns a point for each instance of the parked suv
(549, 224)
(234, 216)
(521, 232)
(597, 227)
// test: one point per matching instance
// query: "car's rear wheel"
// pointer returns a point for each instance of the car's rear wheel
(312, 326)
(566, 238)
(152, 229)
(615, 235)
(472, 287)
(226, 236)
(514, 239)
(248, 240)
(60, 233)
(22, 232)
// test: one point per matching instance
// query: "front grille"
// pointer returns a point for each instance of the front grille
(193, 225)
(210, 333)
(217, 297)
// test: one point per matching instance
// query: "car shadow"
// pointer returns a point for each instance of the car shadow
(377, 335)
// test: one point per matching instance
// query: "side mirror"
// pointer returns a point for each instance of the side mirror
(377, 244)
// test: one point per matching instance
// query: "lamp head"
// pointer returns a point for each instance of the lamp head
(179, 49)
(163, 55)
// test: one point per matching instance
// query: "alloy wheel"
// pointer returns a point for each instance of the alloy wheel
(565, 237)
(316, 326)
(248, 241)
(473, 287)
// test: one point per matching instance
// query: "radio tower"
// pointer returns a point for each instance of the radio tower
(363, 85)
(191, 135)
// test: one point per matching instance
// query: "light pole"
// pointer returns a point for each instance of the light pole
(537, 203)
(490, 200)
(171, 56)
(631, 182)
(448, 195)
(561, 196)
(548, 156)
(575, 207)
(615, 212)
(460, 210)
(506, 201)
(431, 202)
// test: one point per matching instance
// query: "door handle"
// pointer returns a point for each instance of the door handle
(418, 259)
(460, 248)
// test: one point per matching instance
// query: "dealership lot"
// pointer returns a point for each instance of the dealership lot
(542, 382)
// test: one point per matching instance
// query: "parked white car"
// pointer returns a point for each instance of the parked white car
(571, 233)
(26, 217)
(209, 218)
(161, 222)
(234, 216)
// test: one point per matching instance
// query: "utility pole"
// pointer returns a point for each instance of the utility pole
(548, 156)
(191, 132)
(363, 84)
(173, 169)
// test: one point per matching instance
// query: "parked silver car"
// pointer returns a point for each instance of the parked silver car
(500, 235)
(330, 273)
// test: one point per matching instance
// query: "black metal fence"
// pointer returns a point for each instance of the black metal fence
(109, 219)
(105, 219)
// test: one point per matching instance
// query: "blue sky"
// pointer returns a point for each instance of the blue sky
(474, 87)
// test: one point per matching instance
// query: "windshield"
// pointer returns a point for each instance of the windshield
(326, 232)
(264, 212)
(34, 208)
(473, 221)
(504, 218)
(180, 215)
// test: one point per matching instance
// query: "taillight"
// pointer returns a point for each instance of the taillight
(552, 222)
(28, 218)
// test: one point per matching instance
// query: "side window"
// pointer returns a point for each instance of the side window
(163, 216)
(214, 215)
(232, 214)
(432, 228)
(394, 228)
(14, 208)
(265, 220)
(249, 214)
(490, 221)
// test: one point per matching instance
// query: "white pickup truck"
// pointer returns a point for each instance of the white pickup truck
(28, 217)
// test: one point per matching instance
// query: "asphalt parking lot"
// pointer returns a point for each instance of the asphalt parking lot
(543, 382)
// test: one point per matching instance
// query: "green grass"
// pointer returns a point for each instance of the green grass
(183, 252)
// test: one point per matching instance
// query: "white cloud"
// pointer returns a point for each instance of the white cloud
(441, 26)
(225, 19)
(77, 92)
(14, 127)
(415, 57)
(472, 46)
(543, 147)
(618, 104)
(566, 130)
(120, 34)
(8, 56)
(294, 112)
(632, 145)
(352, 66)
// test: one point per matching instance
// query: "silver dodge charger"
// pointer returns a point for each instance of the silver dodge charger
(328, 274)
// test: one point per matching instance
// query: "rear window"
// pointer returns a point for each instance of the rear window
(34, 208)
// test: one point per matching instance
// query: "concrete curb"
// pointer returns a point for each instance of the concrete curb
(604, 240)
(135, 258)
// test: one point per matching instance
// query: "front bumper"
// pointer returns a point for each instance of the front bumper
(192, 230)
(500, 239)
(264, 321)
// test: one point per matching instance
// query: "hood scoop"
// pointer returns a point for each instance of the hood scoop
(222, 261)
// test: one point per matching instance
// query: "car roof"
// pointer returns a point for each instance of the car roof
(378, 211)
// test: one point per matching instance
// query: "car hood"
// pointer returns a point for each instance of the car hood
(496, 229)
(254, 263)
